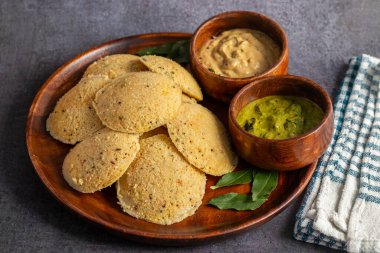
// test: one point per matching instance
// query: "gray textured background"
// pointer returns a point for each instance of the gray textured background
(36, 37)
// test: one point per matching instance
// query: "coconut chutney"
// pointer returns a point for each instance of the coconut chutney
(239, 53)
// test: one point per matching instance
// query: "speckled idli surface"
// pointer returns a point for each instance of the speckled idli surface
(160, 186)
(202, 139)
(176, 72)
(74, 118)
(138, 102)
(158, 130)
(187, 99)
(115, 65)
(100, 160)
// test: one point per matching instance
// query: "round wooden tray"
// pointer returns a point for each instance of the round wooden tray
(101, 207)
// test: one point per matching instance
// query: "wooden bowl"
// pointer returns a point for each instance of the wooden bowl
(224, 88)
(286, 154)
(101, 208)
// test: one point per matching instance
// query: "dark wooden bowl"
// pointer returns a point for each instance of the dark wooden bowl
(224, 88)
(101, 208)
(287, 154)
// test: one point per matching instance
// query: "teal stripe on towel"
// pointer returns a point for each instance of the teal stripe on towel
(360, 77)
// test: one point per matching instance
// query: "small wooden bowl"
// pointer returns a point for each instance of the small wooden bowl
(286, 154)
(224, 88)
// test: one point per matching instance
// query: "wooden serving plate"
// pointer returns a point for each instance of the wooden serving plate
(101, 207)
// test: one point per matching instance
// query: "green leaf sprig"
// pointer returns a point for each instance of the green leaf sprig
(234, 178)
(264, 182)
(178, 51)
(240, 202)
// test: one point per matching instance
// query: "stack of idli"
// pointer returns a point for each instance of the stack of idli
(135, 121)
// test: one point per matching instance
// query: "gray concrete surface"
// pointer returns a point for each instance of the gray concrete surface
(36, 37)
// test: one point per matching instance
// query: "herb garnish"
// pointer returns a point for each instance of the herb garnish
(264, 182)
(249, 124)
(234, 178)
(240, 202)
(178, 51)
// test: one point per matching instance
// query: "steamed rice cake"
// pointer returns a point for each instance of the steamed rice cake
(138, 102)
(174, 71)
(160, 186)
(74, 118)
(202, 139)
(100, 160)
(115, 65)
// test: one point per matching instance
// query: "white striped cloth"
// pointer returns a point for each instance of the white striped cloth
(341, 208)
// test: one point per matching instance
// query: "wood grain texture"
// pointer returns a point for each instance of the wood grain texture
(288, 154)
(101, 207)
(224, 88)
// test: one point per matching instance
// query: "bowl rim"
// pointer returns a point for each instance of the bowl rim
(327, 113)
(280, 60)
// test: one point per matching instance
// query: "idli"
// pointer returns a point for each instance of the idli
(187, 99)
(176, 72)
(115, 65)
(202, 139)
(74, 118)
(138, 102)
(160, 186)
(100, 160)
(158, 130)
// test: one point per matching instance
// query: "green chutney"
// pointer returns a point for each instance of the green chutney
(279, 117)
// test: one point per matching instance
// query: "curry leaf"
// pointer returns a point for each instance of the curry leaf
(163, 49)
(178, 51)
(263, 184)
(240, 202)
(234, 178)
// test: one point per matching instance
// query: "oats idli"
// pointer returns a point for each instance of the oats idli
(160, 186)
(158, 130)
(173, 70)
(187, 99)
(138, 102)
(100, 160)
(74, 118)
(115, 65)
(202, 139)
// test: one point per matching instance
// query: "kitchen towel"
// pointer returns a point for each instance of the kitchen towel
(341, 208)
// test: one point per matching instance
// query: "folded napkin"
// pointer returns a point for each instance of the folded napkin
(341, 208)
